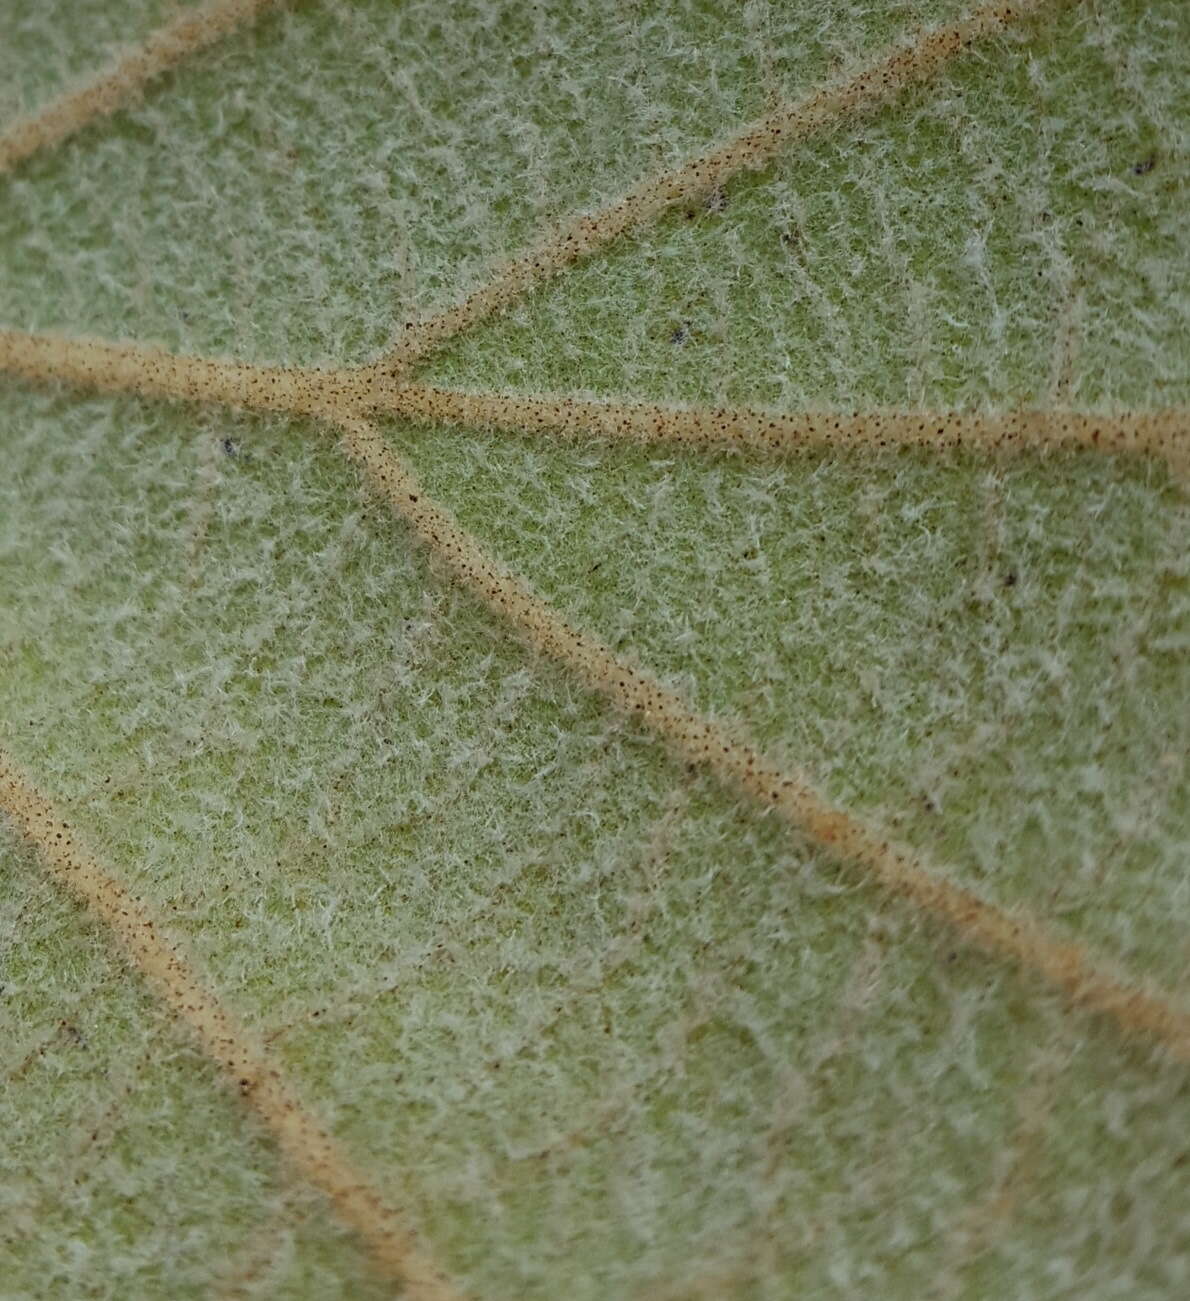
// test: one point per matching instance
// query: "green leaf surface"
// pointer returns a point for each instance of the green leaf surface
(596, 1026)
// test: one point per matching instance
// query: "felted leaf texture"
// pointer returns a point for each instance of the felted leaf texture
(593, 649)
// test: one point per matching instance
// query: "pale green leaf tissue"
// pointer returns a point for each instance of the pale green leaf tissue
(601, 1030)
